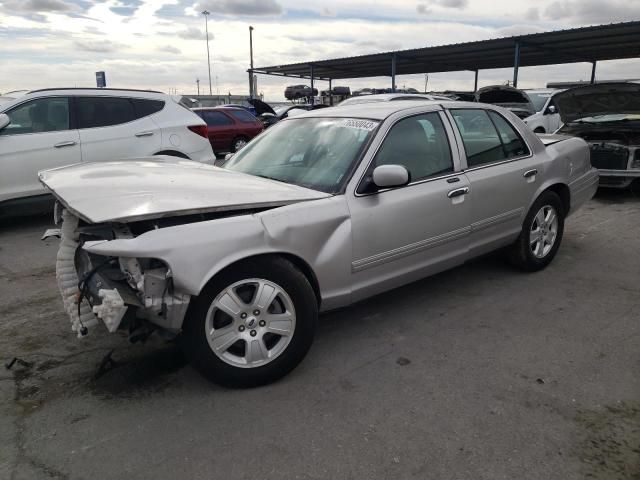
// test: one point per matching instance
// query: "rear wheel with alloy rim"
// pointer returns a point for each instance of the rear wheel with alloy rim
(252, 324)
(541, 233)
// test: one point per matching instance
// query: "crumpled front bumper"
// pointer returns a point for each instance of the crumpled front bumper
(115, 290)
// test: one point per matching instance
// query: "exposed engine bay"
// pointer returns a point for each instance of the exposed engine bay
(135, 295)
(611, 150)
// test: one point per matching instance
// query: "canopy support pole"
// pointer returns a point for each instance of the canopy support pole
(393, 73)
(475, 83)
(516, 64)
(312, 96)
(593, 72)
(330, 94)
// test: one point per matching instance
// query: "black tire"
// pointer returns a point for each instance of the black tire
(520, 252)
(234, 143)
(274, 269)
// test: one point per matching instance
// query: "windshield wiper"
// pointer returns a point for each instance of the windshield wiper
(269, 178)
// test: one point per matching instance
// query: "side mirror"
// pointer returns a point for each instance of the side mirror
(551, 109)
(4, 120)
(389, 176)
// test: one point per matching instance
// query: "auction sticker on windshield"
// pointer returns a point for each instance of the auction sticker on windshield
(359, 124)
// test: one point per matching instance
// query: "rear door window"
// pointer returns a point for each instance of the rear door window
(512, 143)
(481, 141)
(104, 111)
(39, 116)
(242, 116)
(215, 119)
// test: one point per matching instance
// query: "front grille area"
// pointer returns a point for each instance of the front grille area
(609, 156)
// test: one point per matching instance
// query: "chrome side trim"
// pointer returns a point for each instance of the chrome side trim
(407, 250)
(497, 219)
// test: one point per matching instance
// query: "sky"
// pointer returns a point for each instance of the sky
(161, 44)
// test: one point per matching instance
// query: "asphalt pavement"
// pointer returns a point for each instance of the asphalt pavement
(482, 372)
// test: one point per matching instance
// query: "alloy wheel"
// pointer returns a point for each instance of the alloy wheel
(544, 231)
(250, 323)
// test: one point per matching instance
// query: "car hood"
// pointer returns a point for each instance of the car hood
(260, 106)
(599, 99)
(153, 187)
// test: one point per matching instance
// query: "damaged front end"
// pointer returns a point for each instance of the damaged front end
(615, 152)
(135, 295)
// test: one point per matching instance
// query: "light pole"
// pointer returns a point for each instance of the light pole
(198, 84)
(251, 92)
(206, 29)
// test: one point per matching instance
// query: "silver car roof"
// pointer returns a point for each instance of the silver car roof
(382, 110)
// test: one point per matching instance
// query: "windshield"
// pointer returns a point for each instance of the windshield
(316, 153)
(539, 100)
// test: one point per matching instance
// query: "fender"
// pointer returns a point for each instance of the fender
(195, 252)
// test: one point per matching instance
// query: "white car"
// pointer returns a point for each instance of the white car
(546, 119)
(50, 128)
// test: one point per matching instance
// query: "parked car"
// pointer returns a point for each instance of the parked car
(249, 108)
(546, 119)
(321, 211)
(507, 97)
(460, 95)
(229, 128)
(269, 116)
(607, 116)
(391, 97)
(338, 91)
(50, 128)
(295, 92)
(362, 91)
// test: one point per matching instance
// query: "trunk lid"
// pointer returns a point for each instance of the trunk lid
(153, 187)
(507, 97)
(599, 99)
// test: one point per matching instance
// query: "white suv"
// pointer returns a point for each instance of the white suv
(55, 127)
(546, 119)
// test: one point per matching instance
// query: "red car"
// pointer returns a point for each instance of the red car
(229, 128)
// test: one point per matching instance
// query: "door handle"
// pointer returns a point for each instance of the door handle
(530, 173)
(144, 134)
(65, 144)
(457, 192)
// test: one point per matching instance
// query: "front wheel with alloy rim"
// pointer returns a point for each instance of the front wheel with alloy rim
(252, 324)
(541, 233)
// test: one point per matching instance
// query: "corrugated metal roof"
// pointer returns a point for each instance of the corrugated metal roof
(586, 44)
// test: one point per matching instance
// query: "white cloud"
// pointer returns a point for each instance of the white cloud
(240, 7)
(170, 49)
(98, 46)
(145, 50)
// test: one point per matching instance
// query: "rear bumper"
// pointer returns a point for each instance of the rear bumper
(583, 189)
(205, 155)
(618, 178)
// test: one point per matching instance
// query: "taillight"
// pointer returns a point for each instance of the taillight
(200, 130)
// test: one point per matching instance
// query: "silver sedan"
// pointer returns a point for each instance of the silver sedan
(320, 211)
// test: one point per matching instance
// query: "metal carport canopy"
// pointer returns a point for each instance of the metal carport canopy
(587, 44)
